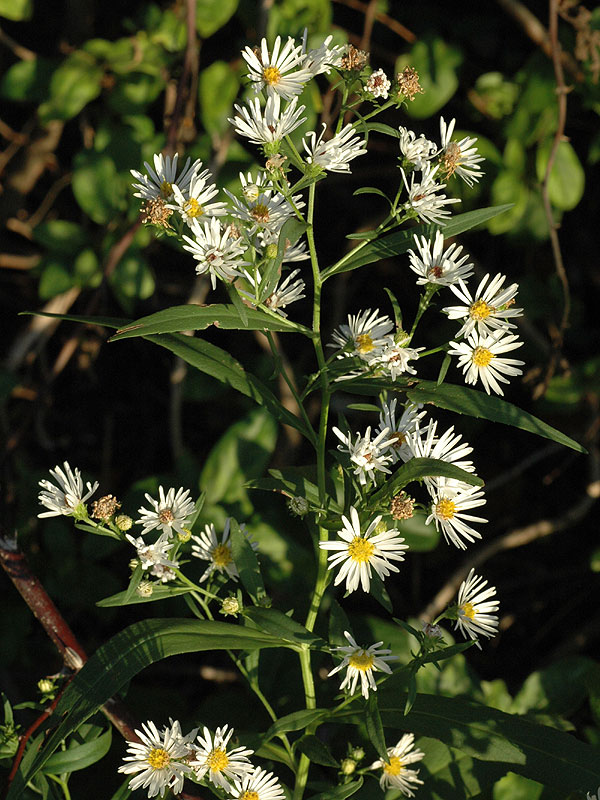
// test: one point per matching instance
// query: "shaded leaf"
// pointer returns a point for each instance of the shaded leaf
(279, 624)
(316, 750)
(417, 468)
(246, 563)
(375, 728)
(79, 756)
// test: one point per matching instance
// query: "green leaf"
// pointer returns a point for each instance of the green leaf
(75, 83)
(446, 652)
(437, 64)
(516, 787)
(98, 188)
(316, 750)
(279, 624)
(297, 721)
(379, 592)
(371, 190)
(79, 756)
(246, 563)
(291, 230)
(198, 318)
(55, 279)
(340, 792)
(463, 400)
(27, 80)
(375, 728)
(418, 468)
(213, 14)
(60, 237)
(17, 10)
(567, 178)
(402, 241)
(380, 127)
(218, 86)
(293, 482)
(159, 592)
(538, 752)
(122, 657)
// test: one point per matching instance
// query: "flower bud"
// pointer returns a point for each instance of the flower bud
(271, 251)
(348, 766)
(185, 535)
(144, 589)
(123, 522)
(357, 753)
(46, 685)
(298, 506)
(230, 606)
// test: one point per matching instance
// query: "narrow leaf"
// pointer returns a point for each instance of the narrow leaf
(375, 728)
(279, 624)
(247, 563)
(297, 721)
(80, 756)
(418, 468)
(340, 792)
(159, 592)
(316, 750)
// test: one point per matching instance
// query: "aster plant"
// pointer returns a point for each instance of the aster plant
(365, 487)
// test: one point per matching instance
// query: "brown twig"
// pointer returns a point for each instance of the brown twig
(559, 136)
(380, 16)
(538, 34)
(24, 53)
(189, 75)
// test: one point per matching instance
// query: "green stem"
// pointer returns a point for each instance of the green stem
(381, 228)
(62, 784)
(426, 297)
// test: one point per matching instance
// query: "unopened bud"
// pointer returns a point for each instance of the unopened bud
(401, 338)
(298, 506)
(230, 606)
(348, 766)
(46, 685)
(133, 564)
(184, 535)
(123, 522)
(358, 754)
(271, 251)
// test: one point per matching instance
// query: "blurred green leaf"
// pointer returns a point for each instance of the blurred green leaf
(134, 91)
(74, 84)
(218, 86)
(340, 792)
(87, 268)
(375, 728)
(131, 279)
(516, 787)
(419, 537)
(437, 63)
(60, 237)
(495, 94)
(17, 10)
(557, 689)
(55, 279)
(213, 14)
(27, 80)
(508, 187)
(567, 178)
(98, 188)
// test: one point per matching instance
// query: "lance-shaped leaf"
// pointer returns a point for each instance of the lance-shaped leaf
(122, 657)
(291, 230)
(296, 721)
(279, 624)
(340, 792)
(464, 400)
(316, 750)
(247, 564)
(402, 241)
(375, 728)
(159, 592)
(418, 468)
(79, 756)
(198, 318)
(554, 758)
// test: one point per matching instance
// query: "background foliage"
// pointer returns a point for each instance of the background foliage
(88, 92)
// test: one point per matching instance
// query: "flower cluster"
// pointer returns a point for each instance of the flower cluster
(162, 760)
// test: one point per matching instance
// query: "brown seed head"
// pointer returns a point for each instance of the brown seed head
(408, 83)
(105, 507)
(353, 59)
(402, 506)
(156, 212)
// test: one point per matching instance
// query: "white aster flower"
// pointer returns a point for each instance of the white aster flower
(369, 455)
(425, 443)
(594, 796)
(68, 497)
(279, 72)
(160, 759)
(222, 765)
(215, 250)
(450, 501)
(160, 181)
(292, 252)
(263, 207)
(288, 291)
(362, 662)
(416, 150)
(321, 59)
(364, 333)
(425, 197)
(475, 609)
(481, 359)
(193, 203)
(459, 157)
(392, 358)
(396, 774)
(358, 552)
(399, 430)
(334, 154)
(488, 309)
(378, 84)
(433, 264)
(258, 785)
(218, 553)
(154, 557)
(171, 512)
(268, 125)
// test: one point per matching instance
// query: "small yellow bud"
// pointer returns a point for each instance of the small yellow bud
(230, 606)
(144, 589)
(271, 251)
(348, 766)
(185, 535)
(46, 685)
(123, 522)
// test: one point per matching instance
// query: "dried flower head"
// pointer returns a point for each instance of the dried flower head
(298, 506)
(402, 506)
(105, 507)
(353, 59)
(155, 212)
(408, 83)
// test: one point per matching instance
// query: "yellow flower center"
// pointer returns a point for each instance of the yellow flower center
(480, 310)
(217, 760)
(249, 795)
(361, 660)
(394, 767)
(166, 189)
(158, 758)
(166, 516)
(467, 610)
(260, 212)
(271, 75)
(445, 508)
(481, 356)
(360, 549)
(364, 343)
(221, 555)
(193, 208)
